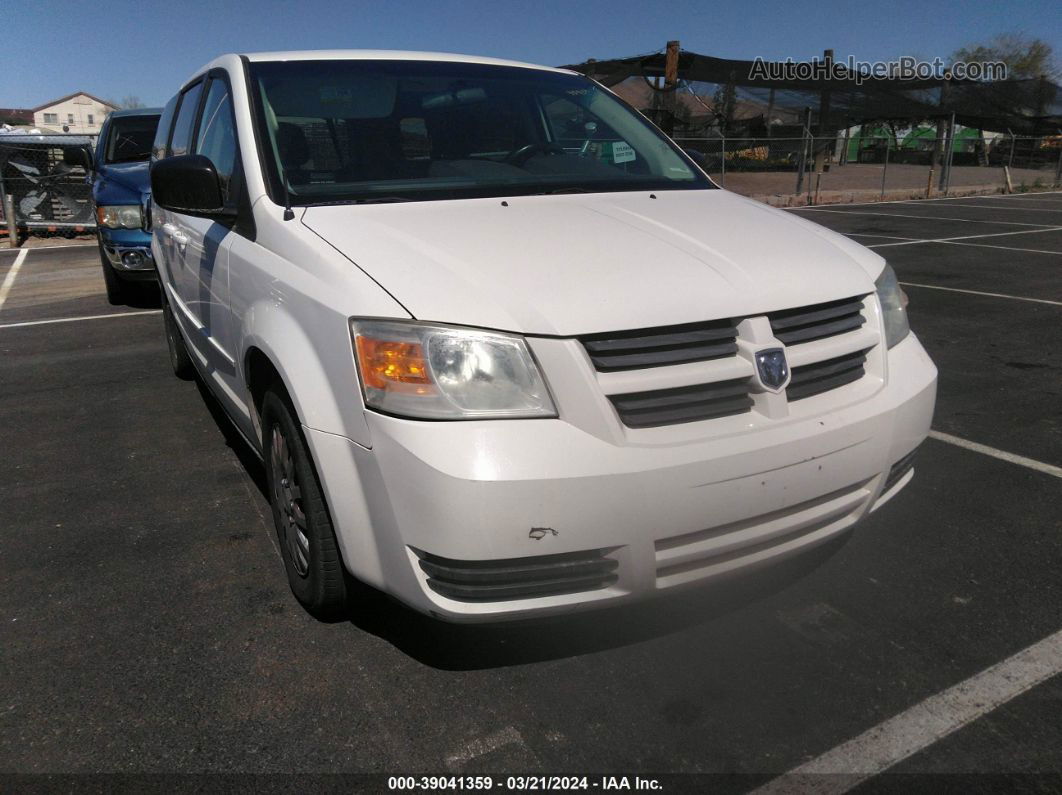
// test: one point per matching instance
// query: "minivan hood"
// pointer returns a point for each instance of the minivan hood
(584, 263)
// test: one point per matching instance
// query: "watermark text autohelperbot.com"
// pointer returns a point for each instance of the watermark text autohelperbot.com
(905, 68)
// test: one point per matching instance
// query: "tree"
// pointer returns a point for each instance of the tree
(131, 101)
(1024, 56)
(724, 104)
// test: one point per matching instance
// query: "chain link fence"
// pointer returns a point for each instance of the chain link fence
(811, 167)
(46, 193)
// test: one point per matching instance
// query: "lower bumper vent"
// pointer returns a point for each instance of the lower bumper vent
(899, 469)
(519, 578)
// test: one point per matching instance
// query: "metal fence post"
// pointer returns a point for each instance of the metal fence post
(884, 171)
(803, 151)
(9, 216)
(722, 161)
(1058, 168)
(949, 153)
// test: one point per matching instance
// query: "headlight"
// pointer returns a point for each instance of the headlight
(893, 306)
(120, 216)
(440, 372)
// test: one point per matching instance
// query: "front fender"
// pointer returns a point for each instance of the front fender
(326, 398)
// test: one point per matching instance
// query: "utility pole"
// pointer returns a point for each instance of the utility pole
(671, 59)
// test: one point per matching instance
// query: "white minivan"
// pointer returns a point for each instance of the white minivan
(504, 349)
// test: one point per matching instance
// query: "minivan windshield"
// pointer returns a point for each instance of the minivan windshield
(130, 138)
(388, 130)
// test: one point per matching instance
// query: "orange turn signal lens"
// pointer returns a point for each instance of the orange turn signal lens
(393, 366)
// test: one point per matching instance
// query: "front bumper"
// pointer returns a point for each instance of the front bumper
(128, 251)
(464, 495)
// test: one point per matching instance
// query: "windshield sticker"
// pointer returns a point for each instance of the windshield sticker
(622, 152)
(336, 94)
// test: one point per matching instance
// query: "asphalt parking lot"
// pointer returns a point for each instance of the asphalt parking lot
(146, 625)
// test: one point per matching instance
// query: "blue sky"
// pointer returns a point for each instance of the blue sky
(114, 48)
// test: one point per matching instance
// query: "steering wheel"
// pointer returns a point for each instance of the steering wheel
(519, 156)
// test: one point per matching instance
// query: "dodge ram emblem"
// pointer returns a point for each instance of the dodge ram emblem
(772, 369)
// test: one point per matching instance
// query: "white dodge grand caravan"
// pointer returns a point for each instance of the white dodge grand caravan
(504, 350)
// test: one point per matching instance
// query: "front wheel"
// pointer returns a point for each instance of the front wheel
(180, 361)
(304, 528)
(117, 290)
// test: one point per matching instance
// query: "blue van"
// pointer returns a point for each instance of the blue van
(121, 192)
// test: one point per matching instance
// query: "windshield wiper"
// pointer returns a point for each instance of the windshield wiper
(366, 200)
(557, 191)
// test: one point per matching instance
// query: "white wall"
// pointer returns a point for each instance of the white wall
(87, 115)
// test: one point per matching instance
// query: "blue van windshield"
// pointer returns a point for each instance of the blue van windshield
(380, 130)
(129, 139)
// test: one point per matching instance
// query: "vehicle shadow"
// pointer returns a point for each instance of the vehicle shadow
(465, 647)
(247, 457)
(143, 295)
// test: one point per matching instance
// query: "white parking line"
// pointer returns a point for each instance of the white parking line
(53, 248)
(887, 237)
(972, 237)
(978, 292)
(922, 217)
(9, 280)
(1002, 248)
(1002, 455)
(78, 319)
(877, 749)
(1011, 206)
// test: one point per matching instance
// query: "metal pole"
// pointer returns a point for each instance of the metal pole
(12, 224)
(1010, 160)
(884, 171)
(722, 162)
(803, 150)
(1058, 168)
(949, 151)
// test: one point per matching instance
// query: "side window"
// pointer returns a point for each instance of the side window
(182, 129)
(162, 135)
(217, 134)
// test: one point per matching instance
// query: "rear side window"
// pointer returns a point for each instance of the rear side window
(182, 128)
(217, 133)
(158, 149)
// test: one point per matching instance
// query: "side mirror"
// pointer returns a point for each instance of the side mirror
(78, 156)
(188, 184)
(697, 156)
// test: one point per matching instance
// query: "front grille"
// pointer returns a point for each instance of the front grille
(519, 578)
(807, 323)
(659, 347)
(899, 469)
(683, 404)
(814, 379)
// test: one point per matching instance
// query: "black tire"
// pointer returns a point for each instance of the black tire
(180, 361)
(304, 528)
(117, 290)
